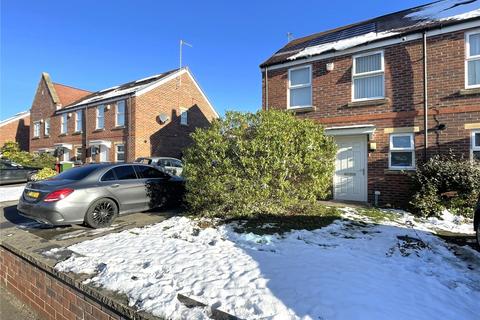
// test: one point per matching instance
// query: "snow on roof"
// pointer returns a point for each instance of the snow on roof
(342, 44)
(436, 14)
(108, 89)
(148, 78)
(447, 10)
(19, 115)
(121, 90)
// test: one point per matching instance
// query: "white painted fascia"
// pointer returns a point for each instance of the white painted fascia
(376, 45)
(105, 143)
(351, 130)
(68, 146)
(172, 77)
(16, 117)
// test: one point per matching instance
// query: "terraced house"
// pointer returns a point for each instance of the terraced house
(153, 116)
(393, 91)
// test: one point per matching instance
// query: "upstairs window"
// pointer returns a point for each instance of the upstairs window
(63, 123)
(368, 77)
(300, 87)
(36, 129)
(472, 77)
(475, 147)
(47, 127)
(120, 114)
(184, 116)
(402, 151)
(78, 121)
(100, 117)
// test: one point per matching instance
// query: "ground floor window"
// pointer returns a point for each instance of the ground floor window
(78, 154)
(402, 151)
(475, 148)
(120, 152)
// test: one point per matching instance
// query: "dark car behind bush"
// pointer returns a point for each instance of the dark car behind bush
(11, 172)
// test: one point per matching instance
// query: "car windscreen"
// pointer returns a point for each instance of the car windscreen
(76, 173)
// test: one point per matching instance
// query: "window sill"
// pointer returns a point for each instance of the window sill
(118, 128)
(392, 171)
(469, 92)
(99, 130)
(35, 138)
(303, 109)
(63, 134)
(184, 125)
(76, 133)
(46, 136)
(368, 103)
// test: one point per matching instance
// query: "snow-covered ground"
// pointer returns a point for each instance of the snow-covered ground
(351, 269)
(11, 193)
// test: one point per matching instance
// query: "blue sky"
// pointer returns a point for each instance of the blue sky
(97, 44)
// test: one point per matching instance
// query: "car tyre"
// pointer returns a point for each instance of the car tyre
(101, 213)
(478, 233)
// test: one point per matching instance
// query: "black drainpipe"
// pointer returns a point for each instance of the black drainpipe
(425, 98)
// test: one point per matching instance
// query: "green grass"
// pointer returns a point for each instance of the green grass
(377, 215)
(309, 218)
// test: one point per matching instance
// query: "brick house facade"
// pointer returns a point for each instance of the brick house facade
(153, 116)
(16, 128)
(381, 139)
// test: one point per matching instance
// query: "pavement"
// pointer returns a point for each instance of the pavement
(34, 239)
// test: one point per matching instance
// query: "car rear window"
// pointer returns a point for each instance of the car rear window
(109, 176)
(125, 173)
(78, 173)
(149, 172)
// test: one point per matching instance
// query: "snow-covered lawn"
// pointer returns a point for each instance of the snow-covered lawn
(350, 269)
(11, 193)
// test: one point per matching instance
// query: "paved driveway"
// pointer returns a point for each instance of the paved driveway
(11, 222)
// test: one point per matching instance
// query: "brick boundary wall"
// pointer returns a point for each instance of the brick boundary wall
(55, 295)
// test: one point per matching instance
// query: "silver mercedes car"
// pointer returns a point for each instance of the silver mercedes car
(96, 194)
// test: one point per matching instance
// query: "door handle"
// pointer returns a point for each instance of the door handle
(116, 185)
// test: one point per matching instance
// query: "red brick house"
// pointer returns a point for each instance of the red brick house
(153, 116)
(16, 128)
(393, 91)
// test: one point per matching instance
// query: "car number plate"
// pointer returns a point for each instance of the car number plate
(33, 194)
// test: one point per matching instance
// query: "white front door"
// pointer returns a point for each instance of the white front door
(350, 180)
(103, 153)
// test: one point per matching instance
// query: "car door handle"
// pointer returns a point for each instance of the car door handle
(115, 185)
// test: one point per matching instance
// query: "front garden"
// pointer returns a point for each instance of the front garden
(258, 243)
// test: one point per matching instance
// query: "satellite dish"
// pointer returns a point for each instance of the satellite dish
(163, 118)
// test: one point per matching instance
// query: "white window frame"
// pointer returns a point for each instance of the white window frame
(63, 123)
(76, 153)
(411, 149)
(36, 129)
(184, 116)
(97, 113)
(309, 84)
(368, 74)
(78, 120)
(120, 113)
(116, 152)
(472, 144)
(46, 127)
(469, 58)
